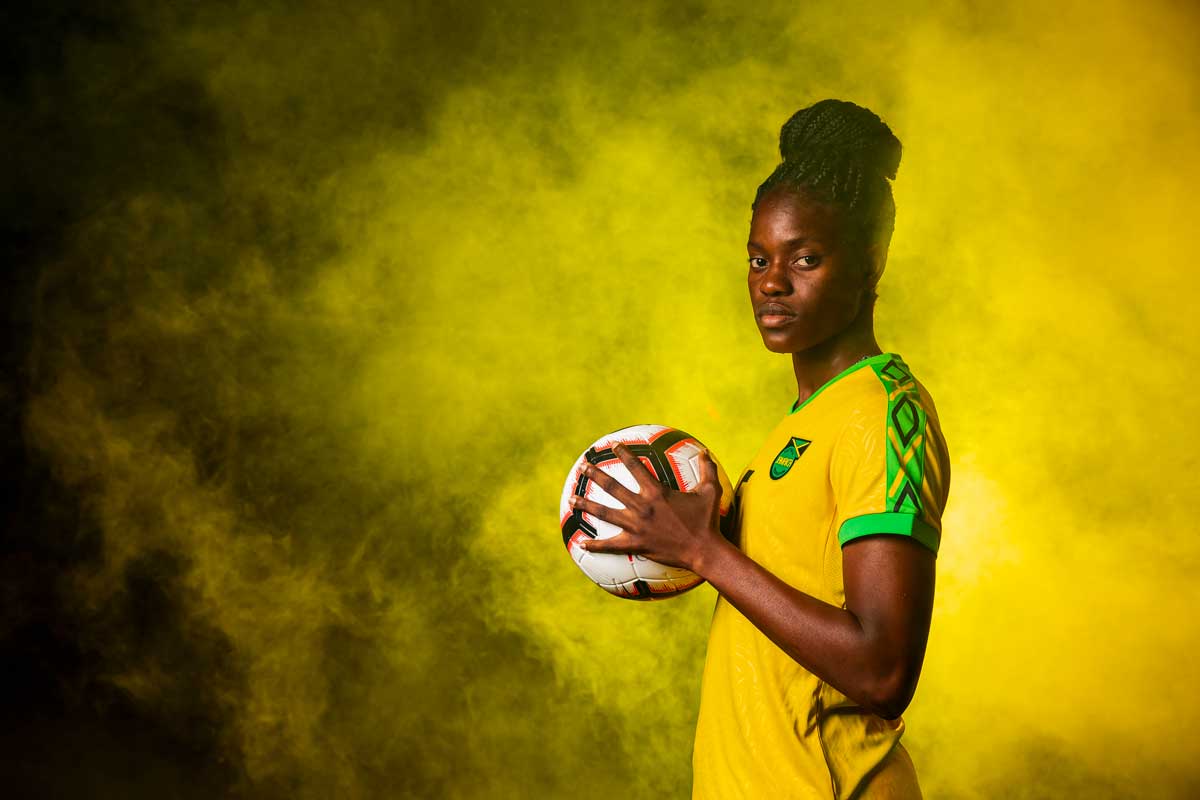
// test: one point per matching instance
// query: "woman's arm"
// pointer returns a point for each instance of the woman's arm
(871, 650)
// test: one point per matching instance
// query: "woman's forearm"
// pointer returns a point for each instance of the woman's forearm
(830, 642)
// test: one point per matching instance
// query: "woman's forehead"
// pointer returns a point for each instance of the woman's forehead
(785, 216)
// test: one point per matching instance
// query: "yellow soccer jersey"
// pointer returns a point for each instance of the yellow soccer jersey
(863, 455)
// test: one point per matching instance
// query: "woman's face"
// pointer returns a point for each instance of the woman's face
(806, 283)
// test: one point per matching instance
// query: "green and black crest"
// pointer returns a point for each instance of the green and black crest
(787, 456)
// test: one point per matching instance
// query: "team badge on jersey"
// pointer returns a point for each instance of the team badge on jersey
(788, 456)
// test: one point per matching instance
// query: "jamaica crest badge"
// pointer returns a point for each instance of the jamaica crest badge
(788, 456)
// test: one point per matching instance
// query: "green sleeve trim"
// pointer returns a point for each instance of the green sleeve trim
(894, 522)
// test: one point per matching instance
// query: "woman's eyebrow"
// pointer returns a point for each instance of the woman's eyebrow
(789, 243)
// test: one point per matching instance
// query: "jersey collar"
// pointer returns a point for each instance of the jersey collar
(881, 358)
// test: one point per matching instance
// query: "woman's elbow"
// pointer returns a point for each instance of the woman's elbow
(891, 693)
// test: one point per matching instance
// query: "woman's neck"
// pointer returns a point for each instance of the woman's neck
(815, 366)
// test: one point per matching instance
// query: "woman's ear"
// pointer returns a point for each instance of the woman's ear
(872, 266)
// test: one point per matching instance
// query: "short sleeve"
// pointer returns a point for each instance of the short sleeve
(890, 469)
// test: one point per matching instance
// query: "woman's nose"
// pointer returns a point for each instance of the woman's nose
(775, 279)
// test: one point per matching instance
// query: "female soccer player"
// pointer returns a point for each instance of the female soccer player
(826, 589)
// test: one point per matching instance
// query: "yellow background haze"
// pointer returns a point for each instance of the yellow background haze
(316, 370)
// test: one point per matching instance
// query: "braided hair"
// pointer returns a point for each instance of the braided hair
(842, 154)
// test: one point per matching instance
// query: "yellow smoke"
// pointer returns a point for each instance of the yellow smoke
(326, 404)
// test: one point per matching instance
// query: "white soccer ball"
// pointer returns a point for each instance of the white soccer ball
(674, 458)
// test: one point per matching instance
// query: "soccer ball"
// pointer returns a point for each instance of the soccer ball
(674, 458)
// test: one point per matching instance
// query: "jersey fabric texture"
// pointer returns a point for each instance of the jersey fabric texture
(864, 455)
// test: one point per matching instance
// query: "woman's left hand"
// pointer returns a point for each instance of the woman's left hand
(658, 522)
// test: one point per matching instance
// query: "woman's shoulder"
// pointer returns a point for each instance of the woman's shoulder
(885, 388)
(886, 377)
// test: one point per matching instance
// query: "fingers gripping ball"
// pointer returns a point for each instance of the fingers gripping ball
(673, 457)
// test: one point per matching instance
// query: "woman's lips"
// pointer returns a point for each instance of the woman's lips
(774, 316)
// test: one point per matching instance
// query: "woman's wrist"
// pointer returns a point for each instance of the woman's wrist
(710, 554)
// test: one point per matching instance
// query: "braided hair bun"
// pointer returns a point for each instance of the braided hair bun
(842, 131)
(843, 154)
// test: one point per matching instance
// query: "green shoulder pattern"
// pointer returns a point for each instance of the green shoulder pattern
(906, 421)
(905, 436)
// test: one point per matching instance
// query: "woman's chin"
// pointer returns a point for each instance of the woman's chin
(777, 344)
